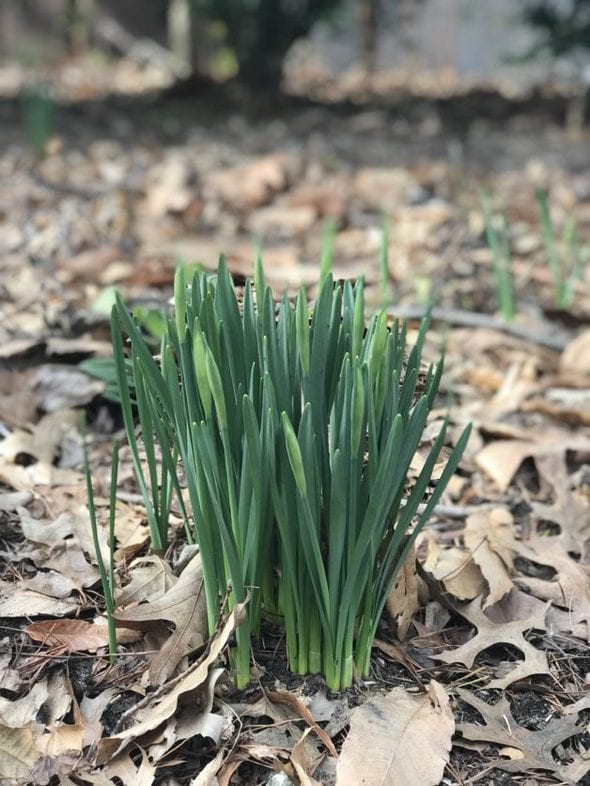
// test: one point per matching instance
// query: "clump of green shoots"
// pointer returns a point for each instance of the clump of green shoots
(568, 265)
(295, 428)
(498, 239)
(106, 572)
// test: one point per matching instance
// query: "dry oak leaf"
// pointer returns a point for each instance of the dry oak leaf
(535, 747)
(490, 633)
(568, 589)
(570, 509)
(183, 605)
(502, 458)
(389, 736)
(489, 536)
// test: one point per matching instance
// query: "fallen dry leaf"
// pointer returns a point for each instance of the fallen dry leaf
(76, 635)
(299, 708)
(490, 633)
(502, 458)
(184, 606)
(37, 596)
(151, 578)
(18, 754)
(389, 736)
(535, 747)
(402, 601)
(455, 568)
(489, 536)
(575, 358)
(567, 589)
(164, 703)
(40, 447)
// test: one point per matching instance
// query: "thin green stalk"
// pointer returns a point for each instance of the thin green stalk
(107, 577)
(499, 245)
(567, 268)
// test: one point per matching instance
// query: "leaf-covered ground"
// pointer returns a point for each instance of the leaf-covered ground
(480, 670)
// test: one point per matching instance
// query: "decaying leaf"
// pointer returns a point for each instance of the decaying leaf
(43, 595)
(165, 702)
(41, 446)
(575, 358)
(568, 588)
(50, 695)
(398, 739)
(18, 754)
(569, 509)
(535, 747)
(491, 633)
(184, 606)
(151, 578)
(456, 569)
(402, 601)
(502, 458)
(76, 635)
(489, 536)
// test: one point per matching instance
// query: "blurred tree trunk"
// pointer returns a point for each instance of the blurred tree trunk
(180, 30)
(369, 18)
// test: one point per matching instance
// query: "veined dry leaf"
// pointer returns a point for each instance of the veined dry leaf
(76, 635)
(402, 601)
(575, 358)
(15, 597)
(42, 445)
(491, 633)
(456, 569)
(123, 767)
(62, 544)
(193, 718)
(502, 458)
(299, 708)
(536, 747)
(489, 536)
(51, 694)
(164, 703)
(18, 754)
(132, 531)
(184, 606)
(568, 589)
(569, 509)
(302, 764)
(151, 578)
(389, 736)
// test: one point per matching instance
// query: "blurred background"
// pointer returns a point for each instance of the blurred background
(138, 133)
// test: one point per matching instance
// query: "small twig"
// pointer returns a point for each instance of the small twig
(469, 319)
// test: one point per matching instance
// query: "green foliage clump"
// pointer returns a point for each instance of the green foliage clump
(562, 27)
(295, 428)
